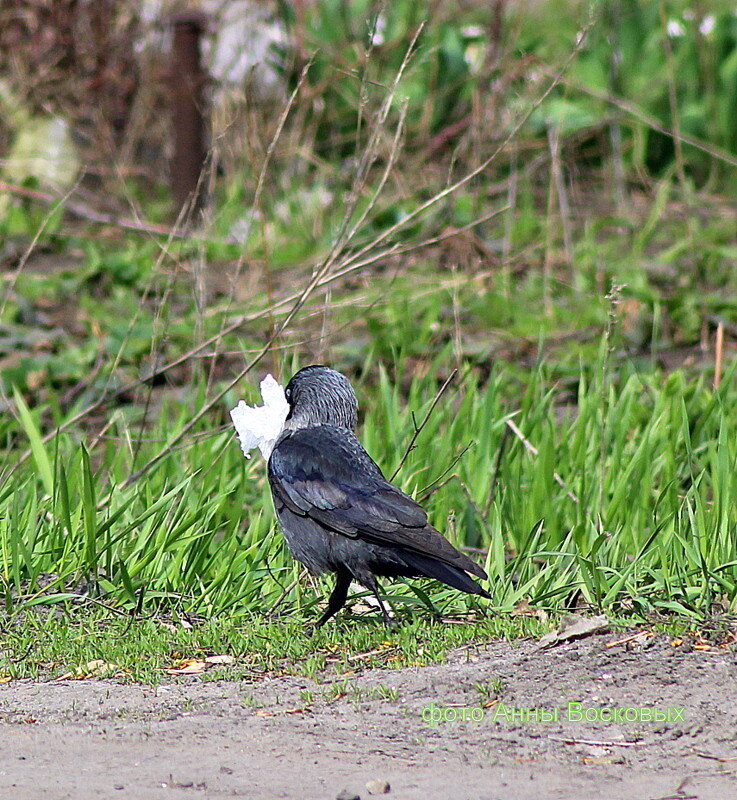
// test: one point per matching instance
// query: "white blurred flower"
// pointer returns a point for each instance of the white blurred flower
(675, 28)
(707, 24)
(377, 35)
(474, 55)
(472, 32)
(260, 426)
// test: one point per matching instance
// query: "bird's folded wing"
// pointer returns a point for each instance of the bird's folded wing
(324, 473)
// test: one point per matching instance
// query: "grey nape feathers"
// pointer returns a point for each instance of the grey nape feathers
(338, 512)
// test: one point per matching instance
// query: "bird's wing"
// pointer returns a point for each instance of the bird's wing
(325, 474)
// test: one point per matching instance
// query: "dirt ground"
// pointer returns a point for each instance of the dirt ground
(289, 737)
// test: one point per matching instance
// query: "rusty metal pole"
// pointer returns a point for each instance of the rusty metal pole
(187, 112)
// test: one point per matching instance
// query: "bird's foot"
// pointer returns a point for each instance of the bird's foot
(392, 623)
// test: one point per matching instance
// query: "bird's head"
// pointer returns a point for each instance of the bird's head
(318, 395)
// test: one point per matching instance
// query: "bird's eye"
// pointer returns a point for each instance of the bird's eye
(288, 393)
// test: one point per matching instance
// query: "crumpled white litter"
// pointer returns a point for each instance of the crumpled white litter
(260, 426)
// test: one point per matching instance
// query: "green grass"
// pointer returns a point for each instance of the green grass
(581, 453)
(614, 490)
(49, 647)
(628, 503)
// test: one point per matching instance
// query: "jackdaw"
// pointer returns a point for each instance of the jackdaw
(337, 510)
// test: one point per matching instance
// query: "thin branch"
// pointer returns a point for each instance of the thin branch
(532, 449)
(495, 474)
(83, 211)
(409, 218)
(32, 245)
(423, 494)
(642, 116)
(418, 429)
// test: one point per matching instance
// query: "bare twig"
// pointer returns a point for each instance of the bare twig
(469, 176)
(32, 245)
(673, 99)
(532, 449)
(321, 273)
(257, 206)
(718, 355)
(495, 473)
(550, 230)
(633, 638)
(642, 116)
(285, 592)
(595, 742)
(83, 211)
(564, 210)
(418, 428)
(243, 319)
(423, 494)
(711, 757)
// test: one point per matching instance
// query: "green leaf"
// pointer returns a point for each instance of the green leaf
(38, 451)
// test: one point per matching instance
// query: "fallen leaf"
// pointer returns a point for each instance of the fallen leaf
(263, 713)
(633, 638)
(188, 666)
(220, 660)
(573, 626)
(523, 609)
(193, 666)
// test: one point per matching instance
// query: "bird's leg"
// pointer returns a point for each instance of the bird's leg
(388, 621)
(337, 598)
(374, 587)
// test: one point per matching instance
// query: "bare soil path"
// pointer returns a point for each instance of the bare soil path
(290, 737)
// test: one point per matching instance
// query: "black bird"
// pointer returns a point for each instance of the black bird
(338, 512)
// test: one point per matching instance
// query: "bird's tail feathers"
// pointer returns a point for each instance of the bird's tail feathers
(451, 576)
